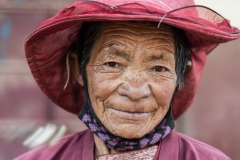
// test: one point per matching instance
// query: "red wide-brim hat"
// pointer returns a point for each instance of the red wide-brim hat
(47, 47)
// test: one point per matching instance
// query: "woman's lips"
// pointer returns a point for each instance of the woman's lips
(130, 115)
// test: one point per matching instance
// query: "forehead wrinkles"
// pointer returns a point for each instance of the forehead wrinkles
(140, 31)
(130, 34)
(161, 41)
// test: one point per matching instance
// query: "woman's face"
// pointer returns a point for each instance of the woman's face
(131, 77)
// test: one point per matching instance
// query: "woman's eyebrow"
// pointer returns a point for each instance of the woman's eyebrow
(156, 57)
(118, 53)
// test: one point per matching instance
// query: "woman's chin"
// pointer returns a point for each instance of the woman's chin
(128, 124)
(128, 132)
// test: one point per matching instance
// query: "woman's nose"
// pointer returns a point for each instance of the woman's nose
(135, 87)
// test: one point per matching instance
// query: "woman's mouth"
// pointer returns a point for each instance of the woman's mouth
(129, 115)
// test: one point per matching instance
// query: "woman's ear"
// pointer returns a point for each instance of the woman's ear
(189, 65)
(73, 60)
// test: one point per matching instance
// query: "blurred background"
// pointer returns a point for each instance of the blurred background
(28, 119)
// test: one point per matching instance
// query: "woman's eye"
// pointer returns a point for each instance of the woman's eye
(159, 69)
(112, 64)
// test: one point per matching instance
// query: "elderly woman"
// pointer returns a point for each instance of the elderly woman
(128, 69)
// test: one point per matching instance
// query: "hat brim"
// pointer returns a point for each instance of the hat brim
(46, 49)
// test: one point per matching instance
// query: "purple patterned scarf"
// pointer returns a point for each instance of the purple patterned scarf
(88, 116)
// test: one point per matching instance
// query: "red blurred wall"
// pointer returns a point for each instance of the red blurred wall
(214, 116)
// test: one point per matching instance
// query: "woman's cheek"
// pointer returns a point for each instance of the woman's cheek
(102, 86)
(163, 93)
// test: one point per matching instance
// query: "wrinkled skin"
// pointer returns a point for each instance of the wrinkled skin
(131, 77)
